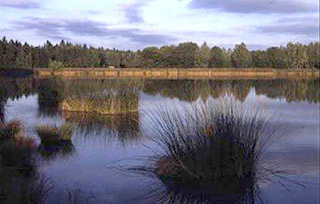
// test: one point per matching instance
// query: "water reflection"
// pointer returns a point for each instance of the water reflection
(190, 90)
(124, 128)
(50, 94)
(52, 91)
(297, 151)
(53, 152)
(21, 182)
(2, 111)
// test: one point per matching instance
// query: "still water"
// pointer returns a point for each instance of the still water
(95, 168)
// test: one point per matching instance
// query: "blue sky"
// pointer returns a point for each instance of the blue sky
(135, 24)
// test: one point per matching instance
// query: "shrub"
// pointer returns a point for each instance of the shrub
(55, 65)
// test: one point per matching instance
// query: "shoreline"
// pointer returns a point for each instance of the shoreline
(175, 73)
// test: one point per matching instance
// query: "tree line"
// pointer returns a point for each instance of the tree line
(14, 54)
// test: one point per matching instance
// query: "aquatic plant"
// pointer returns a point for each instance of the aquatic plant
(212, 145)
(102, 97)
(53, 135)
(15, 149)
(10, 129)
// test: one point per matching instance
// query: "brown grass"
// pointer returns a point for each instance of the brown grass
(175, 73)
(55, 135)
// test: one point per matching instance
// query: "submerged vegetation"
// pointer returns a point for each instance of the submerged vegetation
(102, 97)
(213, 147)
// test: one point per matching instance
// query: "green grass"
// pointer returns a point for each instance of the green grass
(213, 143)
(53, 135)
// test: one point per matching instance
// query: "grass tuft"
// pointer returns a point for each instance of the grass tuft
(214, 143)
(53, 135)
(10, 129)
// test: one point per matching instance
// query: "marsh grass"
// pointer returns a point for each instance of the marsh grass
(212, 145)
(16, 150)
(10, 129)
(102, 97)
(53, 135)
(20, 180)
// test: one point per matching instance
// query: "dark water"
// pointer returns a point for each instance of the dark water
(93, 170)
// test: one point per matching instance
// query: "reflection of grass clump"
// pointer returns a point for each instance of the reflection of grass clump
(122, 127)
(53, 135)
(50, 152)
(214, 144)
(101, 97)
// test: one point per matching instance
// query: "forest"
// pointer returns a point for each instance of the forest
(15, 54)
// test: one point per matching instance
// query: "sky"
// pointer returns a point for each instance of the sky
(135, 24)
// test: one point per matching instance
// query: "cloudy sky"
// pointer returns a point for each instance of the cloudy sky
(135, 24)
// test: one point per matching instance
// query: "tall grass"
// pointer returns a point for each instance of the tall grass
(213, 143)
(103, 97)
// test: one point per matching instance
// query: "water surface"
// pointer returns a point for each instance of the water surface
(89, 170)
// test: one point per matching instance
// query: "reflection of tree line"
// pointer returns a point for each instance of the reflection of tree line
(125, 94)
(190, 90)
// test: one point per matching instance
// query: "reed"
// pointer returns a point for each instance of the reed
(102, 97)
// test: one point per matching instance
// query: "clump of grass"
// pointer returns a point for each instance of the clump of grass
(15, 149)
(9, 130)
(21, 141)
(210, 144)
(53, 135)
(102, 97)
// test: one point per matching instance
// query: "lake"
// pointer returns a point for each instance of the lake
(99, 166)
